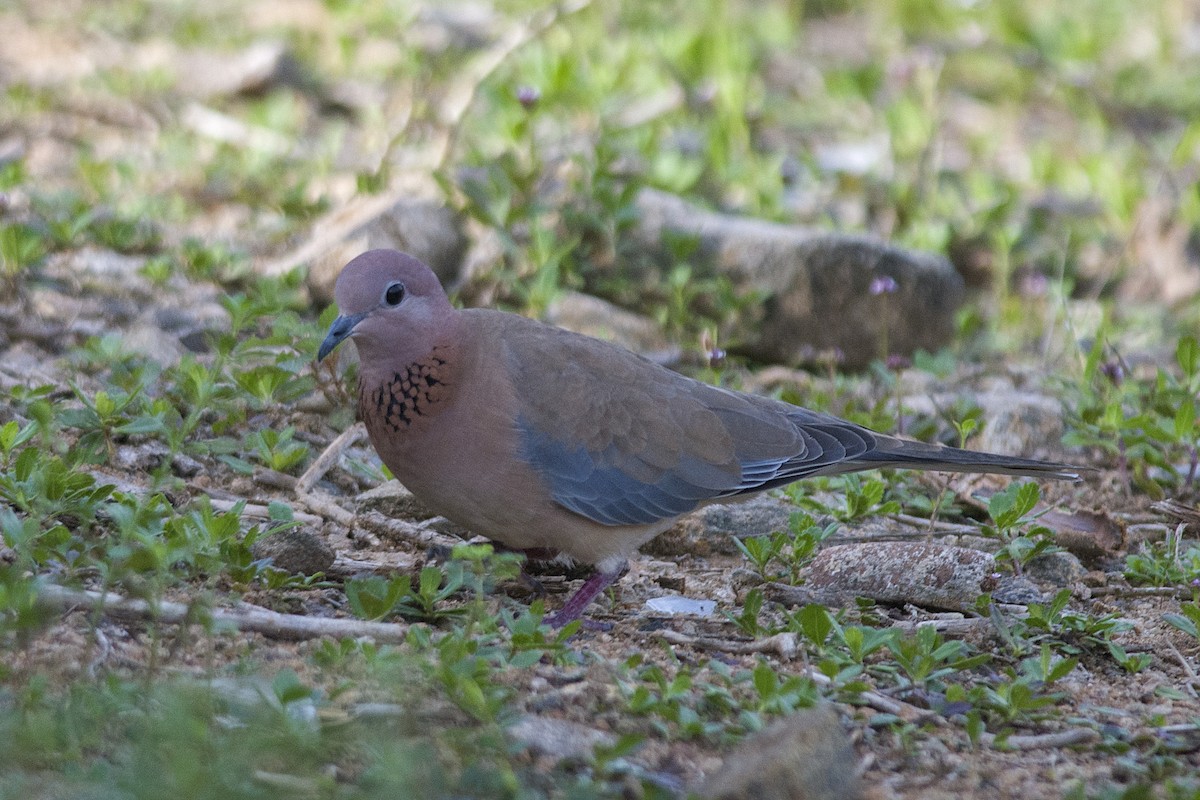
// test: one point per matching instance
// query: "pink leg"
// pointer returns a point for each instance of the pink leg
(577, 602)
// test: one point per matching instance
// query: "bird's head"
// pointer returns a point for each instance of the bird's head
(390, 304)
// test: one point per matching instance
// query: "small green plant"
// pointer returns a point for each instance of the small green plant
(1171, 562)
(1014, 700)
(1143, 423)
(925, 658)
(375, 597)
(277, 450)
(864, 499)
(790, 552)
(1014, 525)
(1188, 621)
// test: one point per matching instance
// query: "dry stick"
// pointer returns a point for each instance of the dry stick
(782, 644)
(329, 457)
(243, 617)
(1141, 591)
(338, 224)
(405, 531)
(1067, 738)
(260, 511)
(327, 508)
(938, 525)
(460, 97)
(1190, 683)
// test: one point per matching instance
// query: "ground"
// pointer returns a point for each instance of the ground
(162, 417)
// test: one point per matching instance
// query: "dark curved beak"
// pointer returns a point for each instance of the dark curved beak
(342, 327)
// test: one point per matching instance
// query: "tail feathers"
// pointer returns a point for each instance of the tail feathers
(906, 454)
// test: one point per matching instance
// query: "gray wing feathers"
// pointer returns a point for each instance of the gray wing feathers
(623, 441)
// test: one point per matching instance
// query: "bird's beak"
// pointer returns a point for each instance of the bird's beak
(342, 327)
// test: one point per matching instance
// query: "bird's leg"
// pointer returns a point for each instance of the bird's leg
(577, 602)
(531, 554)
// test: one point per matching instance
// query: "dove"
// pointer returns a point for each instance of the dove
(550, 442)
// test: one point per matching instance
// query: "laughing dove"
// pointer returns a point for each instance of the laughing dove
(544, 440)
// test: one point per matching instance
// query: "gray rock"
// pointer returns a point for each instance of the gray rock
(1017, 590)
(558, 738)
(711, 529)
(1057, 570)
(393, 499)
(897, 573)
(1015, 421)
(601, 319)
(818, 285)
(805, 756)
(426, 229)
(296, 550)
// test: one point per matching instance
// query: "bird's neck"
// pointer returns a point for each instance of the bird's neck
(409, 392)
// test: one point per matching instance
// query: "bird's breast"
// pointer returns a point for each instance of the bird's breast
(416, 392)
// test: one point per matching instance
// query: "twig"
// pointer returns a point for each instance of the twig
(273, 479)
(325, 507)
(1141, 591)
(460, 97)
(1067, 738)
(782, 644)
(951, 627)
(883, 704)
(243, 617)
(329, 457)
(938, 525)
(260, 511)
(405, 531)
(1190, 683)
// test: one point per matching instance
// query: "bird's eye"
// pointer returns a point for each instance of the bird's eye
(394, 293)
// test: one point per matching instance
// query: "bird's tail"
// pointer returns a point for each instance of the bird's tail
(906, 454)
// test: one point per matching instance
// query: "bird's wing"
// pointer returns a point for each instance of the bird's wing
(621, 440)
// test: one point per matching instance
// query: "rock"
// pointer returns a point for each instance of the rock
(426, 229)
(1059, 570)
(149, 341)
(1017, 590)
(896, 573)
(601, 319)
(296, 550)
(711, 529)
(393, 499)
(558, 738)
(1092, 536)
(255, 69)
(1016, 422)
(805, 756)
(672, 605)
(144, 457)
(822, 289)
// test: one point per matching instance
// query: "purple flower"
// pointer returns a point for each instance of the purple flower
(897, 362)
(1114, 371)
(883, 284)
(528, 96)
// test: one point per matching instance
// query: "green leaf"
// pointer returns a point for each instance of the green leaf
(1187, 355)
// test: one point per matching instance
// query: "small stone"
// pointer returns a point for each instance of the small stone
(676, 604)
(1059, 570)
(712, 528)
(805, 756)
(297, 550)
(393, 499)
(558, 738)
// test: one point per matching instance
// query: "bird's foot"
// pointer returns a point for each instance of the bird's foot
(576, 603)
